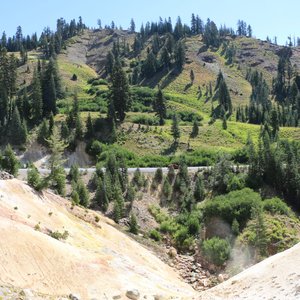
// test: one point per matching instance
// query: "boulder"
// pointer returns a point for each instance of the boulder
(133, 294)
(172, 252)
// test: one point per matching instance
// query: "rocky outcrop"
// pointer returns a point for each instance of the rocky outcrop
(5, 176)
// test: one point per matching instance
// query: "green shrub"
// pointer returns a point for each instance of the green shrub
(58, 235)
(74, 172)
(235, 205)
(276, 206)
(193, 225)
(155, 235)
(145, 120)
(216, 250)
(182, 238)
(34, 178)
(95, 148)
(235, 183)
(168, 226)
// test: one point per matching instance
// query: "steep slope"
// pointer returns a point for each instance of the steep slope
(95, 261)
(277, 277)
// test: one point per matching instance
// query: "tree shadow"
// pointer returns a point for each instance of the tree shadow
(189, 85)
(163, 78)
(171, 149)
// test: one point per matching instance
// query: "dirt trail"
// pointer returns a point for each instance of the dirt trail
(96, 261)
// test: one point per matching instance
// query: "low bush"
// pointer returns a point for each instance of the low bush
(145, 120)
(58, 235)
(155, 235)
(216, 250)
(276, 206)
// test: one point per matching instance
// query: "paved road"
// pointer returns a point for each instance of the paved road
(23, 172)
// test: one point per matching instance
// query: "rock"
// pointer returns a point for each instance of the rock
(133, 294)
(159, 297)
(220, 277)
(73, 297)
(117, 297)
(172, 252)
(206, 282)
(27, 293)
(5, 176)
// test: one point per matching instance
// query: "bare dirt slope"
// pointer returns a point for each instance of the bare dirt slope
(277, 277)
(95, 261)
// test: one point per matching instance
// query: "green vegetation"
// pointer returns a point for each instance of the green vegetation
(160, 100)
(216, 250)
(58, 235)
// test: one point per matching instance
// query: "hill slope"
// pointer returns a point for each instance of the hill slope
(277, 277)
(96, 260)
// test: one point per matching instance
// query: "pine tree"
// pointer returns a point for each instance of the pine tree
(78, 128)
(119, 91)
(51, 87)
(57, 174)
(64, 131)
(179, 55)
(222, 94)
(175, 131)
(118, 209)
(133, 225)
(73, 114)
(165, 58)
(10, 162)
(160, 107)
(132, 26)
(167, 189)
(261, 240)
(195, 130)
(199, 192)
(194, 25)
(149, 66)
(17, 129)
(83, 193)
(43, 133)
(36, 99)
(34, 178)
(74, 173)
(90, 132)
(110, 62)
(101, 195)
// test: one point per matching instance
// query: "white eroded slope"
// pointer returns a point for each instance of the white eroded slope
(277, 277)
(96, 261)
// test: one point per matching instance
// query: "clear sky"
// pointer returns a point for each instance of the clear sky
(267, 17)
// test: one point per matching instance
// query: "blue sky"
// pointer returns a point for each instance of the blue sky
(267, 17)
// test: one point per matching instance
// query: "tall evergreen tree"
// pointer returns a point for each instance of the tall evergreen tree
(119, 91)
(17, 129)
(36, 99)
(160, 107)
(101, 195)
(179, 55)
(175, 128)
(9, 161)
(90, 132)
